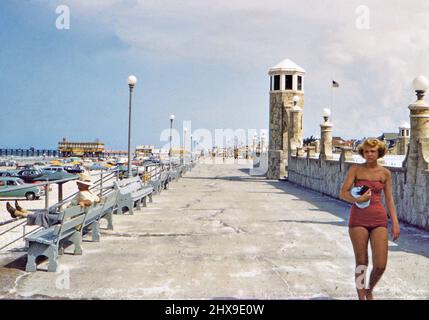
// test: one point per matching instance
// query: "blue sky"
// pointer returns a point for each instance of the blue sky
(204, 61)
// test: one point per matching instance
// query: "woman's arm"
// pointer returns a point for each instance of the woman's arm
(391, 206)
(348, 184)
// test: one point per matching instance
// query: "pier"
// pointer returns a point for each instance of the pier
(220, 232)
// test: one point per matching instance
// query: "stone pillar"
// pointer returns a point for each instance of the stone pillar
(317, 146)
(311, 152)
(414, 205)
(295, 129)
(300, 152)
(263, 143)
(255, 143)
(326, 140)
(346, 154)
(418, 153)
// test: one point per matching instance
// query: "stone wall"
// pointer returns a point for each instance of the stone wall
(327, 176)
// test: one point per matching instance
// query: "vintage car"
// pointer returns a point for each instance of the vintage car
(8, 163)
(52, 169)
(9, 173)
(59, 175)
(28, 175)
(74, 169)
(11, 183)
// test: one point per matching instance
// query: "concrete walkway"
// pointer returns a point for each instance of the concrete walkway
(220, 233)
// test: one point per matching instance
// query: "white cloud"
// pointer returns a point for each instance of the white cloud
(374, 67)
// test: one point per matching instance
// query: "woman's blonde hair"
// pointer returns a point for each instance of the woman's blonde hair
(373, 143)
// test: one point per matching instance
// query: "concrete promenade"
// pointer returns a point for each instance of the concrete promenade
(221, 233)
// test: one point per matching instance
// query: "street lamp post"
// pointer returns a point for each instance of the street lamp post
(132, 80)
(185, 130)
(171, 138)
(191, 148)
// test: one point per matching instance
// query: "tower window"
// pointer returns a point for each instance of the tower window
(288, 82)
(277, 82)
(271, 83)
(299, 83)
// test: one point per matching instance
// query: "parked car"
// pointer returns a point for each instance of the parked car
(28, 175)
(53, 176)
(124, 169)
(98, 166)
(9, 173)
(53, 169)
(30, 193)
(8, 163)
(74, 169)
(25, 166)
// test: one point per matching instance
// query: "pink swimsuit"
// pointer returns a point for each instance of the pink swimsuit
(375, 214)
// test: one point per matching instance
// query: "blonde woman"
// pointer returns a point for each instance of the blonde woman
(368, 217)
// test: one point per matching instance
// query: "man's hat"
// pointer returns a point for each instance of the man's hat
(84, 179)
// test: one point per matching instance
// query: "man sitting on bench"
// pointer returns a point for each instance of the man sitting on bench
(84, 198)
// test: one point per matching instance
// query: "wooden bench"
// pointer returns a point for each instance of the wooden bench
(48, 242)
(173, 175)
(132, 193)
(161, 182)
(98, 211)
(188, 167)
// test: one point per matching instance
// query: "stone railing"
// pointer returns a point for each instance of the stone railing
(327, 176)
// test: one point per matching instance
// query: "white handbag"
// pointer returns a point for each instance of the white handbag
(355, 193)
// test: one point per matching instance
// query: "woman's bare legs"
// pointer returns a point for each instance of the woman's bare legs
(359, 237)
(379, 248)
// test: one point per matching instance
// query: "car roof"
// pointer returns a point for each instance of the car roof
(9, 178)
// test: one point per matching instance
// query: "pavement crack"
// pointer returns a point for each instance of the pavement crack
(237, 230)
(274, 268)
(144, 235)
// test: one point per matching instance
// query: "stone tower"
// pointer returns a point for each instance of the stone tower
(286, 82)
(403, 139)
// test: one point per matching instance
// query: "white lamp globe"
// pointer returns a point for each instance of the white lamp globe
(421, 83)
(172, 117)
(132, 80)
(326, 112)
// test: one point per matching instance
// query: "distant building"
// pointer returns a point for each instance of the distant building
(389, 138)
(70, 149)
(397, 143)
(338, 143)
(145, 151)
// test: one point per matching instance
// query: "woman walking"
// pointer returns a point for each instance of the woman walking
(368, 217)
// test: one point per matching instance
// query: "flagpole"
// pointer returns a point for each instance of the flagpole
(332, 99)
